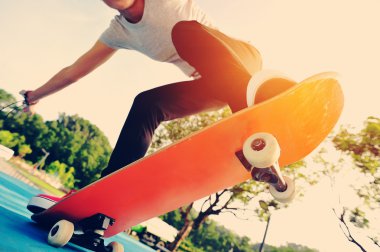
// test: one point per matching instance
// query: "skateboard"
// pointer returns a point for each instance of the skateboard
(255, 142)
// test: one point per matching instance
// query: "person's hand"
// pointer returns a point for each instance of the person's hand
(29, 105)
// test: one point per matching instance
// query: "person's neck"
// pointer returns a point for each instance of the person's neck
(135, 12)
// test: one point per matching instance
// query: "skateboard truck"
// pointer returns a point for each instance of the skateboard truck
(87, 233)
(259, 156)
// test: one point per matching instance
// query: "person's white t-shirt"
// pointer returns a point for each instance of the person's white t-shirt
(152, 34)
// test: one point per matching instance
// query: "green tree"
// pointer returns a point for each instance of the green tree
(32, 128)
(71, 140)
(359, 153)
(65, 173)
(214, 237)
(15, 142)
(290, 247)
(6, 99)
(8, 138)
(23, 149)
(79, 144)
(363, 148)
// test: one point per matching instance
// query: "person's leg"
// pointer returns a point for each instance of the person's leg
(225, 74)
(152, 107)
(226, 63)
(207, 50)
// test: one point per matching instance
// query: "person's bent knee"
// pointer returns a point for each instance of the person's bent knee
(146, 99)
(183, 30)
(147, 106)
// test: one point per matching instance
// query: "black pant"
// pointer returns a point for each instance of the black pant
(225, 65)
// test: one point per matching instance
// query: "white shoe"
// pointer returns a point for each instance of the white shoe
(42, 202)
(266, 84)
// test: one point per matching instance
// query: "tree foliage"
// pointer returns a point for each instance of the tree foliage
(214, 237)
(9, 139)
(15, 142)
(291, 247)
(360, 156)
(61, 170)
(6, 99)
(364, 149)
(79, 146)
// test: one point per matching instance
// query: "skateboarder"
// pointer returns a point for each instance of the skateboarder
(173, 31)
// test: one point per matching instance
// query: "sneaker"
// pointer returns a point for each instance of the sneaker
(265, 85)
(41, 202)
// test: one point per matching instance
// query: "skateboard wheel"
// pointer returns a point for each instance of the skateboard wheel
(286, 196)
(261, 150)
(61, 233)
(116, 247)
(160, 244)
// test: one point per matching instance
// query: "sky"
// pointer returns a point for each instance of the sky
(297, 37)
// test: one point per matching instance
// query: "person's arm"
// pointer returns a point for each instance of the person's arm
(93, 58)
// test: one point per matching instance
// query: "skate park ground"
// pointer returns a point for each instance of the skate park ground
(20, 233)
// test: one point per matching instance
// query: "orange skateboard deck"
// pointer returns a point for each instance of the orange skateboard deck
(300, 119)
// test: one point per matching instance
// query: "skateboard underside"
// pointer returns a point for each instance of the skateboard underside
(206, 162)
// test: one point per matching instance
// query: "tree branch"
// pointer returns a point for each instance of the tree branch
(204, 202)
(348, 234)
(185, 213)
(375, 241)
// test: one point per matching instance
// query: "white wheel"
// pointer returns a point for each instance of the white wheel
(261, 150)
(116, 247)
(160, 244)
(286, 196)
(259, 78)
(61, 233)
